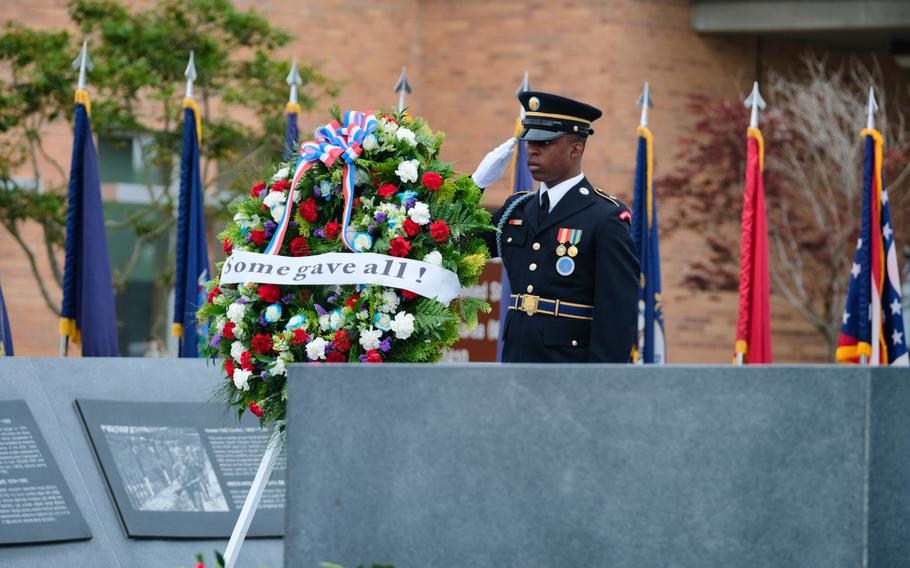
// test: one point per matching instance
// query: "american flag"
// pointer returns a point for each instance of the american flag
(873, 323)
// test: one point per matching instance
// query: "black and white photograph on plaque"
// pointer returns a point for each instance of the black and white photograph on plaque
(36, 504)
(180, 469)
(164, 469)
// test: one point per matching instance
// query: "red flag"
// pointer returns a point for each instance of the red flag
(753, 324)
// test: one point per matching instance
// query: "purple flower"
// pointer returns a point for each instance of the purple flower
(363, 358)
(263, 321)
(248, 237)
(287, 298)
(270, 226)
(294, 224)
(243, 300)
(385, 345)
(216, 341)
(371, 227)
(411, 202)
(380, 217)
(320, 310)
(319, 232)
(332, 299)
(316, 192)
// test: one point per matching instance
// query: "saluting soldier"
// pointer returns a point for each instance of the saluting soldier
(567, 247)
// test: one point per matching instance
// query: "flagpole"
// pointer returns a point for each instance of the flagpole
(83, 64)
(871, 108)
(402, 87)
(755, 102)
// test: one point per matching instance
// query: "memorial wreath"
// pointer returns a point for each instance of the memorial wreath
(366, 184)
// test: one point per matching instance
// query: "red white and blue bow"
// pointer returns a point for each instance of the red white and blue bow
(332, 141)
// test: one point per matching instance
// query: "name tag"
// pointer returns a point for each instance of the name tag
(516, 222)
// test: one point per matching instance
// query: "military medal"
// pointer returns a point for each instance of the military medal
(565, 265)
(570, 236)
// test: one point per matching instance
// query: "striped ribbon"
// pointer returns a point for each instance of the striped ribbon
(332, 141)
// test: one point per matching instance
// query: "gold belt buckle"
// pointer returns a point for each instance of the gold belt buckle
(529, 304)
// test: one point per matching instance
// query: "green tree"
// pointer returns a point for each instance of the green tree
(136, 88)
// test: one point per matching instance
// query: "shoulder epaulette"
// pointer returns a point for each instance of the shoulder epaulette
(608, 197)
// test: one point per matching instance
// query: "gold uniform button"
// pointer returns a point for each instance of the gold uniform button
(536, 246)
(574, 343)
(530, 288)
(533, 267)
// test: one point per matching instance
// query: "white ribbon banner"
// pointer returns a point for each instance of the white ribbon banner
(419, 277)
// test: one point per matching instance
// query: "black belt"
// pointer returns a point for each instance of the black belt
(531, 305)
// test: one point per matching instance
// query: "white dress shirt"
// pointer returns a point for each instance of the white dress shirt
(559, 190)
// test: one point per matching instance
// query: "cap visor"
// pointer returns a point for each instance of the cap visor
(539, 135)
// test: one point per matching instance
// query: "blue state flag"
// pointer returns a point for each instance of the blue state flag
(521, 181)
(6, 337)
(192, 254)
(291, 131)
(651, 346)
(88, 316)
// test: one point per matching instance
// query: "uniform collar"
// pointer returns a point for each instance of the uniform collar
(559, 190)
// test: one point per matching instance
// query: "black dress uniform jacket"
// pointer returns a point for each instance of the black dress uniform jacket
(606, 277)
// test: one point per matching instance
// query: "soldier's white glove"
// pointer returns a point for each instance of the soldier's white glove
(494, 164)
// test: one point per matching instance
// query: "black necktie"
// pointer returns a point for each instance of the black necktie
(544, 207)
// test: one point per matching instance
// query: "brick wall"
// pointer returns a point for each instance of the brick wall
(465, 60)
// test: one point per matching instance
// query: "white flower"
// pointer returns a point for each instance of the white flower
(403, 325)
(274, 198)
(241, 379)
(335, 319)
(434, 257)
(370, 143)
(369, 338)
(420, 213)
(273, 313)
(325, 321)
(239, 332)
(235, 312)
(278, 368)
(296, 322)
(407, 170)
(388, 126)
(297, 196)
(382, 321)
(281, 174)
(277, 212)
(220, 322)
(362, 242)
(389, 301)
(316, 349)
(407, 135)
(237, 350)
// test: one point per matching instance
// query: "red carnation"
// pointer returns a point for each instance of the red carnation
(331, 230)
(342, 340)
(411, 228)
(440, 231)
(299, 247)
(408, 294)
(257, 189)
(335, 357)
(257, 236)
(215, 291)
(228, 331)
(229, 368)
(352, 301)
(431, 180)
(227, 246)
(256, 409)
(373, 356)
(261, 343)
(281, 185)
(246, 361)
(400, 247)
(386, 190)
(300, 337)
(269, 293)
(200, 565)
(308, 209)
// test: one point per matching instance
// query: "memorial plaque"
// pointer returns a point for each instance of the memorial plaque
(182, 470)
(35, 502)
